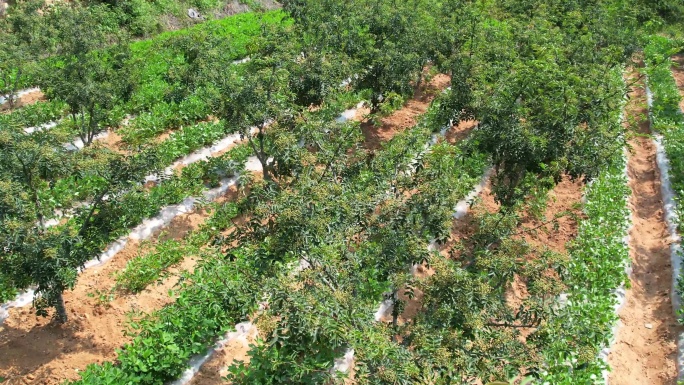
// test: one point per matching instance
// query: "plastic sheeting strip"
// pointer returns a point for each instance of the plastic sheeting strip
(671, 217)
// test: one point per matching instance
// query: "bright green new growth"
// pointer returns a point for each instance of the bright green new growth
(334, 226)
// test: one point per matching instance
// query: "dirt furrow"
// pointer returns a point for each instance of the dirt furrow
(406, 116)
(236, 350)
(645, 348)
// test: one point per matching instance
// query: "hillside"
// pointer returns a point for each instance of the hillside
(341, 192)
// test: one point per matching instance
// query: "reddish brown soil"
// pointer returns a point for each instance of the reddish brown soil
(406, 116)
(24, 100)
(461, 229)
(459, 131)
(643, 355)
(540, 232)
(554, 235)
(40, 352)
(549, 233)
(113, 142)
(678, 72)
(216, 367)
(35, 351)
(565, 196)
(165, 135)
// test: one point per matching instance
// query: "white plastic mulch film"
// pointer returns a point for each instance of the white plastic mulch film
(147, 228)
(241, 333)
(670, 207)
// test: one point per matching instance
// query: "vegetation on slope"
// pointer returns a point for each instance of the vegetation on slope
(541, 80)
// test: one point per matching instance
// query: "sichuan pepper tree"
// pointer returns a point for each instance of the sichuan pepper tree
(88, 71)
(36, 253)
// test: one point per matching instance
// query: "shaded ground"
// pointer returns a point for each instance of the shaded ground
(406, 116)
(565, 196)
(235, 350)
(113, 142)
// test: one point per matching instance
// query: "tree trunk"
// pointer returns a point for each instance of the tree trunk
(419, 81)
(261, 155)
(11, 100)
(395, 314)
(92, 126)
(61, 308)
(11, 97)
(79, 118)
(395, 311)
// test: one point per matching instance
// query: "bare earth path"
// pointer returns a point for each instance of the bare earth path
(405, 117)
(645, 347)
